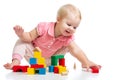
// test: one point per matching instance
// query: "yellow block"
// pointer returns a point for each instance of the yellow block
(62, 69)
(37, 54)
(41, 60)
(30, 71)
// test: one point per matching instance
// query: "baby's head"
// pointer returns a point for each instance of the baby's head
(68, 19)
(69, 10)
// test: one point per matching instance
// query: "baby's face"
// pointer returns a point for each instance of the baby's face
(69, 24)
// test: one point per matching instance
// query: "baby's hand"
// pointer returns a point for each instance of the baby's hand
(90, 64)
(18, 30)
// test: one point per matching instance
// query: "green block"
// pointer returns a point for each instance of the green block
(55, 58)
(60, 56)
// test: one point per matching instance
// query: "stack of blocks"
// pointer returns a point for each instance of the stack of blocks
(58, 64)
(38, 65)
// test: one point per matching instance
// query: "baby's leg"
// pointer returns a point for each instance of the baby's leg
(19, 52)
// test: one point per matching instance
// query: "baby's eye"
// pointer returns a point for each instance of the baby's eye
(69, 24)
(75, 27)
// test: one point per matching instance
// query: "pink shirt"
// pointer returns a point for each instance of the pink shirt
(47, 41)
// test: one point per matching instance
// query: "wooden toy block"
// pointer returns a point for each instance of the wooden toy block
(55, 58)
(41, 60)
(56, 69)
(95, 69)
(62, 69)
(30, 71)
(92, 69)
(60, 56)
(33, 61)
(54, 62)
(51, 68)
(36, 66)
(42, 71)
(62, 61)
(74, 67)
(37, 54)
(19, 68)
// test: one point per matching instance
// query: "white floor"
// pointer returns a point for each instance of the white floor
(107, 72)
(73, 75)
(104, 74)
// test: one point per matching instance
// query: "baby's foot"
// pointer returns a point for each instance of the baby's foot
(8, 65)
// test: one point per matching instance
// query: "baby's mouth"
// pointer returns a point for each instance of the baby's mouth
(67, 31)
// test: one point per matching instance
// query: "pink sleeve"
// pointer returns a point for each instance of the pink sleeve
(41, 27)
(69, 41)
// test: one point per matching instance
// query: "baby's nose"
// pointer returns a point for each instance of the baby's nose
(71, 29)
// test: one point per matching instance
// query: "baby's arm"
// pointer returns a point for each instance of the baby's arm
(80, 55)
(25, 36)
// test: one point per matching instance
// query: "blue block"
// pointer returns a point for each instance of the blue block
(33, 61)
(51, 68)
(42, 71)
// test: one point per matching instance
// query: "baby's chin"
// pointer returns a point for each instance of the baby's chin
(67, 35)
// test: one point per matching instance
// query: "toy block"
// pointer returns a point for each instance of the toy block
(42, 71)
(51, 68)
(37, 54)
(30, 71)
(56, 69)
(60, 56)
(55, 58)
(54, 62)
(33, 61)
(36, 66)
(41, 60)
(62, 69)
(62, 61)
(95, 69)
(19, 68)
(74, 67)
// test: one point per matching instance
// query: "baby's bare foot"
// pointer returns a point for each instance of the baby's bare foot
(8, 65)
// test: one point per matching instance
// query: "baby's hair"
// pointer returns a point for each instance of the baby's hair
(65, 9)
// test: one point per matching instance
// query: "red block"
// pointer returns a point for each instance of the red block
(56, 69)
(95, 69)
(37, 66)
(62, 61)
(18, 68)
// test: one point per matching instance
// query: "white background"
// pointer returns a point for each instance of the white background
(98, 34)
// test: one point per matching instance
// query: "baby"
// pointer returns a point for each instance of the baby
(52, 38)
